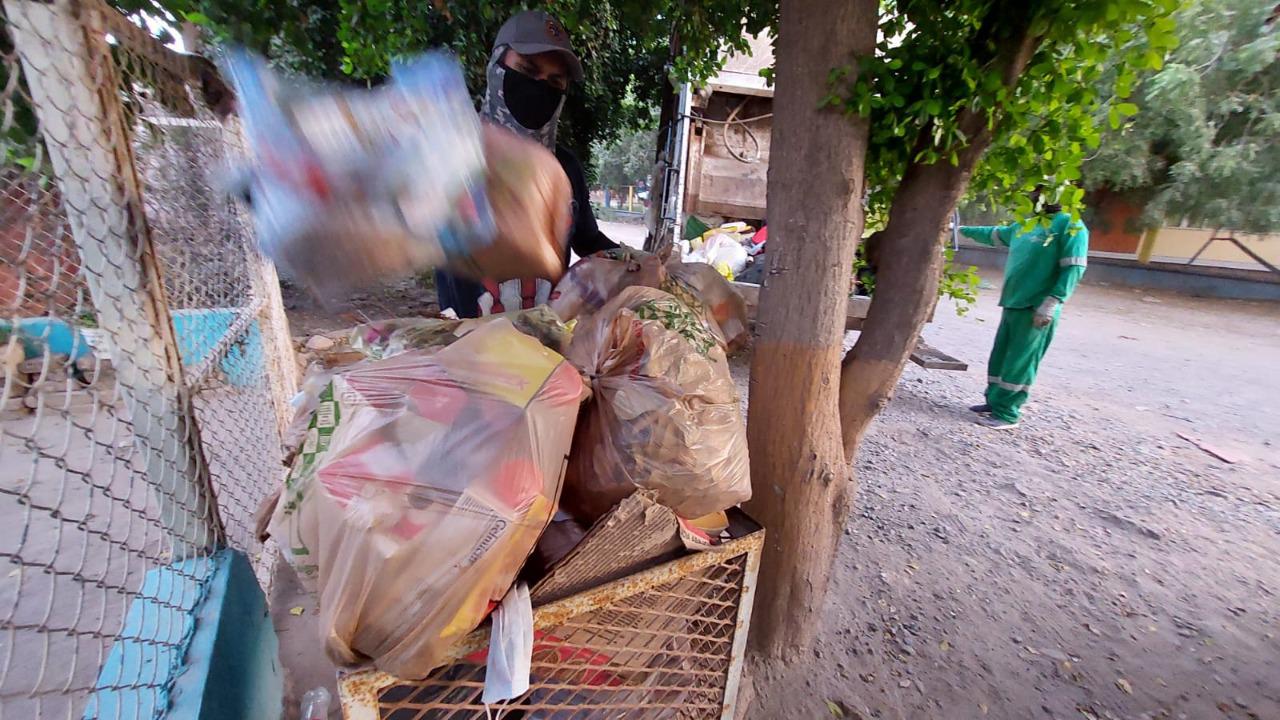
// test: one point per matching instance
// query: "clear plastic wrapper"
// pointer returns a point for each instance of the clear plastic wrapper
(664, 415)
(698, 283)
(595, 280)
(422, 485)
(384, 338)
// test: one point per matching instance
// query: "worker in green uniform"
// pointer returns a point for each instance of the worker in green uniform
(1046, 261)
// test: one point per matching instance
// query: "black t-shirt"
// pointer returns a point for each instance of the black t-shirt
(585, 238)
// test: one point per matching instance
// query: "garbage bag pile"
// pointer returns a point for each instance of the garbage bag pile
(731, 248)
(428, 456)
(427, 472)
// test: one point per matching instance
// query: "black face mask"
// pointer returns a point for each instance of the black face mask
(532, 102)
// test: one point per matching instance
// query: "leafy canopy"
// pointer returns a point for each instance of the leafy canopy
(624, 161)
(625, 45)
(1205, 145)
(936, 60)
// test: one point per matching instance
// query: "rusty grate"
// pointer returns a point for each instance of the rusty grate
(662, 643)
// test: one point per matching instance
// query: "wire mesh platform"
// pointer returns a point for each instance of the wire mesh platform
(665, 642)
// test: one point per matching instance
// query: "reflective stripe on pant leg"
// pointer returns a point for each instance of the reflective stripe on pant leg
(999, 349)
(1027, 347)
(1006, 390)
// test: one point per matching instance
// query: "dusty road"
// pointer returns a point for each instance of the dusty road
(1092, 564)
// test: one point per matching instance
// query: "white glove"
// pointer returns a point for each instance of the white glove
(1044, 313)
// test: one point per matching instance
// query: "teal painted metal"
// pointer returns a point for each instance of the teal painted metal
(136, 679)
(200, 331)
(197, 644)
(233, 668)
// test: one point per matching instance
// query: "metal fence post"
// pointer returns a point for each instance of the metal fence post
(74, 88)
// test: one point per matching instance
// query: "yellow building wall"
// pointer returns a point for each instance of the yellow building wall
(1177, 245)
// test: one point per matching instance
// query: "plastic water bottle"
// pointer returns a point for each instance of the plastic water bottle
(315, 704)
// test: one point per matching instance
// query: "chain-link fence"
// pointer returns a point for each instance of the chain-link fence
(145, 357)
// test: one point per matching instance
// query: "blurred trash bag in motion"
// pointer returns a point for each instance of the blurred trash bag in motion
(665, 412)
(348, 187)
(422, 485)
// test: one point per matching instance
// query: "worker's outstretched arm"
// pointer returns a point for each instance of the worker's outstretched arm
(1072, 261)
(988, 234)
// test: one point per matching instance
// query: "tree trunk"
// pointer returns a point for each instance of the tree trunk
(909, 261)
(799, 469)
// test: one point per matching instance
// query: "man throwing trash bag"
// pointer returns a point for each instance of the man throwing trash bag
(1046, 261)
(529, 73)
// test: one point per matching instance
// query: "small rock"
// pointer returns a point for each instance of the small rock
(320, 343)
(904, 683)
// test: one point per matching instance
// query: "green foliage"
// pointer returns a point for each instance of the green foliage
(625, 45)
(625, 160)
(937, 62)
(1205, 146)
(958, 283)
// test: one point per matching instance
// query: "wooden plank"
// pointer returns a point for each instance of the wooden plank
(854, 315)
(931, 358)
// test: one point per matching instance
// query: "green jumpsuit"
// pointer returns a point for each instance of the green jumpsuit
(1043, 262)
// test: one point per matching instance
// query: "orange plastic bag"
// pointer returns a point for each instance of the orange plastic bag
(422, 486)
(664, 414)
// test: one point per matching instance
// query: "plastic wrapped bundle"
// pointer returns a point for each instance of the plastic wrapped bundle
(664, 414)
(353, 186)
(422, 486)
(593, 281)
(698, 283)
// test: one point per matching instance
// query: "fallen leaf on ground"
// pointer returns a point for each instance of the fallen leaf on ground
(297, 610)
(1124, 685)
(983, 708)
(944, 646)
(834, 709)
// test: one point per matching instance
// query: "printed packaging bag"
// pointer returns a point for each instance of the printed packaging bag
(421, 488)
(664, 414)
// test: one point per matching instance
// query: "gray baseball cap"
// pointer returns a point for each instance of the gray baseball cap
(533, 32)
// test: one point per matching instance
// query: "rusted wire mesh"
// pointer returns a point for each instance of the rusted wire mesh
(144, 356)
(664, 652)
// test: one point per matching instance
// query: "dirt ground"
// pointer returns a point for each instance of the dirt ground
(1091, 564)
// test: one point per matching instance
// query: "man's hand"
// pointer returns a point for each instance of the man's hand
(1044, 313)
